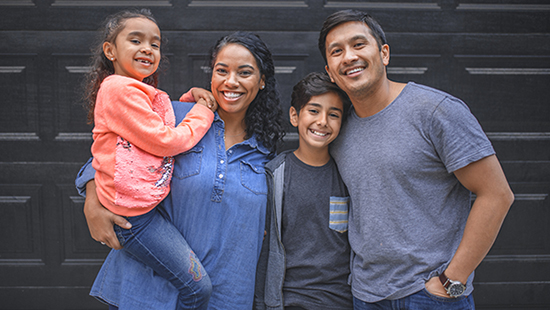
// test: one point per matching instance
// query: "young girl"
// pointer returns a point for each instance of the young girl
(135, 138)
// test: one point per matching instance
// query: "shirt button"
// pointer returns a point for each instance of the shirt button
(221, 161)
(220, 176)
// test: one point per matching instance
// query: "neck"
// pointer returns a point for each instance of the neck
(376, 99)
(311, 157)
(235, 129)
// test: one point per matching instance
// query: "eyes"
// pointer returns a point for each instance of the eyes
(155, 45)
(336, 51)
(243, 73)
(331, 114)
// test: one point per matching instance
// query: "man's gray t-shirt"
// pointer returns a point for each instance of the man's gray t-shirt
(408, 210)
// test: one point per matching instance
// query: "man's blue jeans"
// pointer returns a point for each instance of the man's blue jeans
(158, 244)
(422, 300)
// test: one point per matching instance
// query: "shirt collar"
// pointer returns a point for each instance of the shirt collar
(252, 142)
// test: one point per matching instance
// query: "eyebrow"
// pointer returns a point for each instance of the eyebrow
(139, 33)
(319, 106)
(354, 38)
(240, 67)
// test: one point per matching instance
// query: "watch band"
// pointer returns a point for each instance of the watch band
(453, 288)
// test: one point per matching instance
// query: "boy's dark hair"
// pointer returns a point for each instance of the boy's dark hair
(345, 16)
(315, 84)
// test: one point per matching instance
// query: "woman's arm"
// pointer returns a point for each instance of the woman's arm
(100, 220)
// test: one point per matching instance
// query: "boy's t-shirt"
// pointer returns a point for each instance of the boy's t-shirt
(317, 255)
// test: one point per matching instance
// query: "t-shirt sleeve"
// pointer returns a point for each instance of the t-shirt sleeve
(457, 135)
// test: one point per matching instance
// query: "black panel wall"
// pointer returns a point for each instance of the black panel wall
(495, 55)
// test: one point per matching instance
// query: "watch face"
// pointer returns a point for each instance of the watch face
(456, 290)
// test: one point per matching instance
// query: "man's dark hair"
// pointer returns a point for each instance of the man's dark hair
(345, 16)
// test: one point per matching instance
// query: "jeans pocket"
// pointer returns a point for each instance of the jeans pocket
(339, 214)
(119, 231)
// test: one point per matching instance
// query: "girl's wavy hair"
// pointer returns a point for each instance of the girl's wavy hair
(264, 116)
(101, 66)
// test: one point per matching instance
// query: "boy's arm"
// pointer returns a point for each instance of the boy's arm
(486, 179)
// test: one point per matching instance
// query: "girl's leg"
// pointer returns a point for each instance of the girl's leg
(157, 243)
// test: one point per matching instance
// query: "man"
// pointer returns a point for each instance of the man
(410, 155)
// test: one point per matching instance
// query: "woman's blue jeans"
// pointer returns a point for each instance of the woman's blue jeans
(158, 244)
(422, 300)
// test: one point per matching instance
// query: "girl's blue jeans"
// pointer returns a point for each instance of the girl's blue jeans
(156, 242)
(422, 300)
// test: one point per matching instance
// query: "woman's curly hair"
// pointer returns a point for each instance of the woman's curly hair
(101, 66)
(264, 116)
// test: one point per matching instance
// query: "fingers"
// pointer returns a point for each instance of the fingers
(211, 104)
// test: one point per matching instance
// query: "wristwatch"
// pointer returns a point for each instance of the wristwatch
(453, 288)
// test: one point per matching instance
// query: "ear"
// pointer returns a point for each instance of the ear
(108, 50)
(293, 116)
(385, 54)
(330, 76)
(262, 82)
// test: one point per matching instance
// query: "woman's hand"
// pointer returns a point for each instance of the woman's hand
(100, 220)
(435, 287)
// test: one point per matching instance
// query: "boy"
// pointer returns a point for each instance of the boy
(304, 262)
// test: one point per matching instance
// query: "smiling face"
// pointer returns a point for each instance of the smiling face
(354, 60)
(318, 122)
(136, 50)
(236, 80)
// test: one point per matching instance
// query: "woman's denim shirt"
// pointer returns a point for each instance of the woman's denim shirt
(218, 202)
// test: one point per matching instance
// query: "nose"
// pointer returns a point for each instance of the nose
(232, 80)
(322, 119)
(146, 49)
(350, 56)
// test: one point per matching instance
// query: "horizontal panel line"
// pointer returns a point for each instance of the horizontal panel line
(515, 258)
(513, 283)
(503, 7)
(149, 3)
(290, 4)
(518, 135)
(407, 70)
(24, 261)
(74, 136)
(18, 136)
(11, 69)
(78, 69)
(384, 5)
(17, 3)
(530, 197)
(14, 199)
(509, 71)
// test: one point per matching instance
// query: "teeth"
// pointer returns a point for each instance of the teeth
(232, 95)
(144, 61)
(355, 70)
(318, 133)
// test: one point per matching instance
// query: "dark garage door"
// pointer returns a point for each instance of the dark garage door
(493, 54)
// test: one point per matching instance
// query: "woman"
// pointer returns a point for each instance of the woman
(218, 196)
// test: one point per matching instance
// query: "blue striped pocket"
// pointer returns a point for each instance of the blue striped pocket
(338, 220)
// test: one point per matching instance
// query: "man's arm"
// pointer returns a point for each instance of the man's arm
(486, 179)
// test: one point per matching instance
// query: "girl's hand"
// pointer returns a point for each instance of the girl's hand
(201, 93)
(212, 106)
(100, 220)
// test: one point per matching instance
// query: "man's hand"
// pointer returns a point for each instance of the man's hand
(100, 220)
